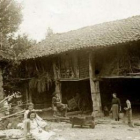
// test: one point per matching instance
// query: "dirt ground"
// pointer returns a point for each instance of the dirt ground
(106, 129)
(110, 130)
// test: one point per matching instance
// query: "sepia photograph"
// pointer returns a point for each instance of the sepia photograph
(69, 69)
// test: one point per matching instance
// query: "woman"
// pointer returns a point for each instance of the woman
(116, 107)
(42, 123)
(32, 128)
(58, 106)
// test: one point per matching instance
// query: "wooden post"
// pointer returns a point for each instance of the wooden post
(94, 85)
(1, 85)
(57, 82)
(26, 93)
(75, 65)
(29, 93)
(30, 97)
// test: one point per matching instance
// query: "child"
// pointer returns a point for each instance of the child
(106, 111)
(31, 108)
(129, 113)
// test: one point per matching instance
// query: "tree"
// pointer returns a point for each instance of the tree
(5, 50)
(12, 71)
(10, 16)
(20, 44)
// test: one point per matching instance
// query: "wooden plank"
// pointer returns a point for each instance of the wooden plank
(75, 79)
(78, 112)
(123, 77)
(60, 117)
(134, 73)
(11, 115)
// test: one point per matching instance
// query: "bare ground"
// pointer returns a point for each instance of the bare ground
(106, 131)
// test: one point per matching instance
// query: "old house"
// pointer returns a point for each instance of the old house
(91, 62)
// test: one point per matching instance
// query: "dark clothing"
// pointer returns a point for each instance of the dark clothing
(58, 106)
(106, 111)
(116, 101)
(116, 108)
(115, 112)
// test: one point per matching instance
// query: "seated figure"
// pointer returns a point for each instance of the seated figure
(106, 111)
(58, 107)
(33, 129)
(31, 108)
(41, 122)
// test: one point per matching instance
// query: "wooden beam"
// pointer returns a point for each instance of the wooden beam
(30, 96)
(94, 86)
(26, 92)
(74, 79)
(91, 75)
(76, 66)
(134, 73)
(121, 77)
(57, 82)
(11, 115)
(29, 93)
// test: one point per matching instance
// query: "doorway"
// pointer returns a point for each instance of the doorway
(126, 88)
(79, 91)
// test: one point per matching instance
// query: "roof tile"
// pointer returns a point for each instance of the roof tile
(101, 35)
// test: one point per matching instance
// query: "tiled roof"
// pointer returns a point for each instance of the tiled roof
(100, 35)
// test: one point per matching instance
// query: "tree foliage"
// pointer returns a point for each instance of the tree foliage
(5, 50)
(10, 16)
(20, 44)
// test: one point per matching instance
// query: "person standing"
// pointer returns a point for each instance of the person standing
(129, 113)
(116, 107)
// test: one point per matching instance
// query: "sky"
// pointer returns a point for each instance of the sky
(65, 15)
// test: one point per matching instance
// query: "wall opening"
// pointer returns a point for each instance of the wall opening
(80, 92)
(43, 99)
(125, 88)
